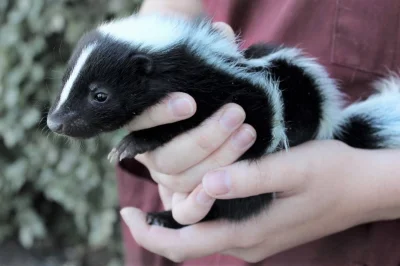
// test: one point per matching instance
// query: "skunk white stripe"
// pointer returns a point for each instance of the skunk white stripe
(332, 97)
(74, 74)
(144, 32)
(262, 81)
(278, 124)
(210, 45)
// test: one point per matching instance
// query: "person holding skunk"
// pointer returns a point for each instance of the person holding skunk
(337, 205)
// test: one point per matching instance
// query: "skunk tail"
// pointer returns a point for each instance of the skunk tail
(375, 122)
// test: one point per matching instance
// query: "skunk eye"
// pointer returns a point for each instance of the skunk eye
(100, 97)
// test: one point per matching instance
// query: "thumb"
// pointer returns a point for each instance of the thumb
(274, 173)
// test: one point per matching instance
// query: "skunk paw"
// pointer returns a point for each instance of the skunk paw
(129, 147)
(164, 219)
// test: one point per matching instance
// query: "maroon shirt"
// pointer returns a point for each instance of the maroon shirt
(357, 41)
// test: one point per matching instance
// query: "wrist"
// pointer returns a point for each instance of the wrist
(381, 183)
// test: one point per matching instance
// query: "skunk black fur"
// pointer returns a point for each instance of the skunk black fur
(126, 66)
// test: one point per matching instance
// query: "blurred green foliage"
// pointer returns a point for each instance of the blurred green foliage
(53, 192)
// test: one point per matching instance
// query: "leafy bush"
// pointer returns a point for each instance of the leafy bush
(53, 193)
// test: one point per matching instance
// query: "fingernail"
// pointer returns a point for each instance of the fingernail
(217, 183)
(181, 106)
(231, 118)
(202, 197)
(243, 138)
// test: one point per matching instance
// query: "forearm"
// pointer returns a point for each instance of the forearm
(188, 8)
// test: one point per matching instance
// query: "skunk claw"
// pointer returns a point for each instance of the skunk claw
(123, 155)
(125, 149)
(128, 147)
(113, 155)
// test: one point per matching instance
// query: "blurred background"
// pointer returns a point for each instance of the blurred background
(58, 200)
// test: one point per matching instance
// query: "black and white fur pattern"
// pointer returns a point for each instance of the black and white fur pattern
(126, 66)
(375, 122)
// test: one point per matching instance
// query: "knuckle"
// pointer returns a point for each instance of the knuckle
(205, 143)
(163, 166)
(177, 183)
(259, 180)
(220, 161)
(152, 114)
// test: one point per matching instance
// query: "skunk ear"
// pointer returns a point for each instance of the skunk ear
(143, 63)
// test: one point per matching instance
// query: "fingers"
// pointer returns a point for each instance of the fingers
(229, 152)
(240, 141)
(277, 172)
(193, 208)
(177, 245)
(177, 106)
(194, 146)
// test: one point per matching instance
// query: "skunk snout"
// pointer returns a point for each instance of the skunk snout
(70, 125)
(60, 121)
(55, 124)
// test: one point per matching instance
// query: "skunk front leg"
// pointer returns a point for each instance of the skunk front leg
(139, 142)
(132, 145)
(145, 140)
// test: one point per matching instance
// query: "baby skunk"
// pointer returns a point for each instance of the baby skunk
(126, 66)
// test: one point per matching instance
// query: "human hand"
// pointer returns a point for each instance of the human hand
(180, 164)
(197, 151)
(324, 187)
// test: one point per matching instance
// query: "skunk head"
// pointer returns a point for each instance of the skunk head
(124, 66)
(103, 82)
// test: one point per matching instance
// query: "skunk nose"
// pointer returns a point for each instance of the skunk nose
(55, 125)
